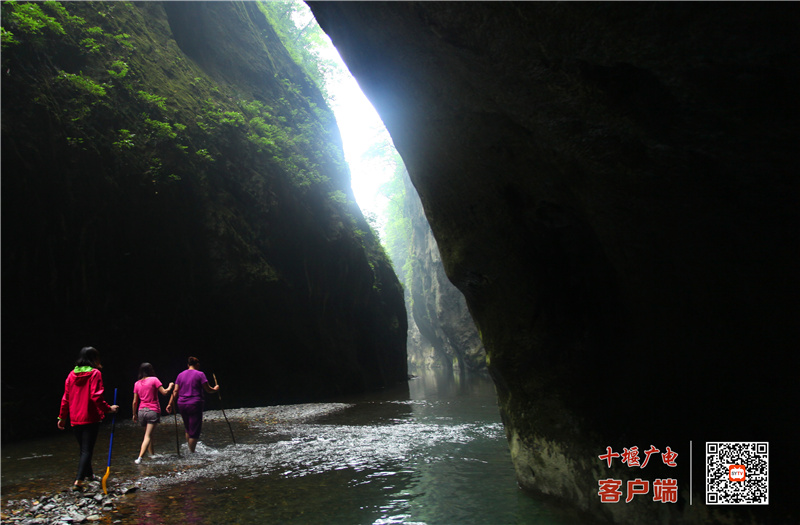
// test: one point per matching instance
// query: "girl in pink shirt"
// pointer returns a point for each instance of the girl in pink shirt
(146, 407)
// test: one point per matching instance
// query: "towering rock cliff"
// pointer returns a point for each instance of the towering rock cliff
(613, 187)
(441, 330)
(173, 184)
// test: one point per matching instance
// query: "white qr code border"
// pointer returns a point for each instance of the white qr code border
(720, 490)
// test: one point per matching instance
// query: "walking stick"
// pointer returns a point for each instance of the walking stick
(177, 440)
(110, 443)
(223, 410)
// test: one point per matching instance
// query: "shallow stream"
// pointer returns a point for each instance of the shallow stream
(431, 452)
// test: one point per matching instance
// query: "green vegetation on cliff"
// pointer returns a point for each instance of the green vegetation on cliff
(398, 230)
(176, 115)
(304, 43)
(178, 118)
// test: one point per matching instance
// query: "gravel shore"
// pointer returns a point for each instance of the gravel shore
(66, 507)
(91, 505)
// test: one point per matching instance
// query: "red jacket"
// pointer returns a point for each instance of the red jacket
(83, 399)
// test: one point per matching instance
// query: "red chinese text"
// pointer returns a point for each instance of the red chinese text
(664, 490)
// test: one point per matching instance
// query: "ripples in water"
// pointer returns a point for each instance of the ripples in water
(295, 450)
(440, 459)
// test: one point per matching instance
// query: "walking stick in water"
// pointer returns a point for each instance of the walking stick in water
(223, 410)
(110, 444)
(177, 440)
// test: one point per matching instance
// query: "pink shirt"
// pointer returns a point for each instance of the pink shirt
(147, 389)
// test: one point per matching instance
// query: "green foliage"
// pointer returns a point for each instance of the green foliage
(205, 155)
(372, 220)
(75, 141)
(214, 117)
(84, 84)
(61, 11)
(29, 18)
(262, 128)
(302, 178)
(125, 140)
(160, 130)
(156, 135)
(338, 196)
(232, 118)
(154, 170)
(262, 144)
(122, 39)
(139, 139)
(304, 42)
(7, 37)
(157, 173)
(209, 119)
(398, 231)
(254, 108)
(92, 45)
(287, 142)
(161, 102)
(119, 69)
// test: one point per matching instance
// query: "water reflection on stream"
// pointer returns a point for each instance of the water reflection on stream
(431, 452)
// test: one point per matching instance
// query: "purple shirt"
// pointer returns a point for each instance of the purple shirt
(190, 386)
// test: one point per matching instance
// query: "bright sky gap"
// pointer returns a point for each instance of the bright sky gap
(360, 127)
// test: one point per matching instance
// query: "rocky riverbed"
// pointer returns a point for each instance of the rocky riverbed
(279, 414)
(65, 507)
(92, 505)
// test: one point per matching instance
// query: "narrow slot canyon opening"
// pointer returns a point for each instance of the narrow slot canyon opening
(441, 332)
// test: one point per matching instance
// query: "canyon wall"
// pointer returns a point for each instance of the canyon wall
(173, 184)
(613, 187)
(441, 330)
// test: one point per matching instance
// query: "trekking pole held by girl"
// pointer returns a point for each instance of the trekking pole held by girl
(110, 444)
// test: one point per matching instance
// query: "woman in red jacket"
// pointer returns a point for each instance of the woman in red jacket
(83, 403)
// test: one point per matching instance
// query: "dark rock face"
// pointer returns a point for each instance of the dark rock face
(180, 190)
(613, 188)
(441, 330)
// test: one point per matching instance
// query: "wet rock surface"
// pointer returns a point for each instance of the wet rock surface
(441, 330)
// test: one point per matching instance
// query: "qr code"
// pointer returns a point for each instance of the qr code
(737, 473)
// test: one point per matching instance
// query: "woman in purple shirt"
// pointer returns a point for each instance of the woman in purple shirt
(189, 387)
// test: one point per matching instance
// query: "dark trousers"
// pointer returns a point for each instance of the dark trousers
(87, 437)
